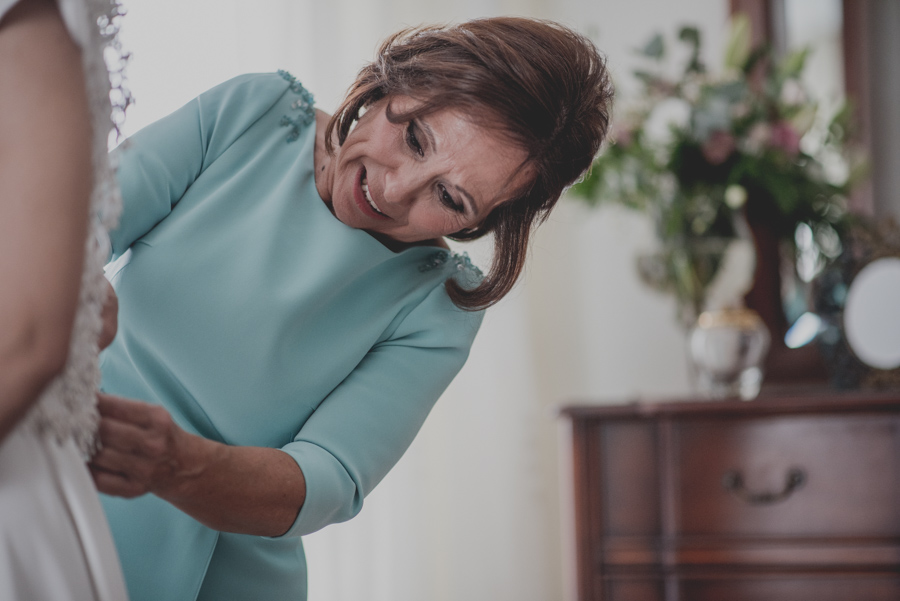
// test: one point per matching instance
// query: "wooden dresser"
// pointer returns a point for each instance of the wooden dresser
(788, 498)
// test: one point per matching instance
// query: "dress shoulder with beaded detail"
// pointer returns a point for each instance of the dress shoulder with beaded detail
(304, 104)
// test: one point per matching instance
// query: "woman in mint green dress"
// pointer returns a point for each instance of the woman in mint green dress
(289, 310)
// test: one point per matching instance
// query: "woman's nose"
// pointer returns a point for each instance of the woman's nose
(404, 186)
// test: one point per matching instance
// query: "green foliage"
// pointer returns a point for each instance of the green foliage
(691, 36)
(739, 47)
(655, 48)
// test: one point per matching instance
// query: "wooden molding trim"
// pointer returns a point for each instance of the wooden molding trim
(760, 14)
(857, 81)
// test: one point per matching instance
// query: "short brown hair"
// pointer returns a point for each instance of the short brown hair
(540, 84)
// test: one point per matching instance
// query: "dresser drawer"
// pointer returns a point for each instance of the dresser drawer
(755, 587)
(695, 501)
(633, 589)
(792, 587)
(802, 476)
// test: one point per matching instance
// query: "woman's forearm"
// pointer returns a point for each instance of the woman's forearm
(248, 490)
(45, 172)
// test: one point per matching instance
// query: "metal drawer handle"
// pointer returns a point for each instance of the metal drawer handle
(733, 482)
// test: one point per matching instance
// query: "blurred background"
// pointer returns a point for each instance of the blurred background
(478, 507)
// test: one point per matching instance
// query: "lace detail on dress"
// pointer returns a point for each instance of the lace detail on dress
(68, 408)
(304, 104)
(461, 261)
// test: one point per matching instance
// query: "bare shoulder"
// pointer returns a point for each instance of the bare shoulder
(26, 13)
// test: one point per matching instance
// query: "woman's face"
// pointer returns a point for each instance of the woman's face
(421, 179)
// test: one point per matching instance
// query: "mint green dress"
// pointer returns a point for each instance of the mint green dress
(257, 318)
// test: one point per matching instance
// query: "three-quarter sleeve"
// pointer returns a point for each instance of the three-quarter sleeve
(364, 426)
(160, 162)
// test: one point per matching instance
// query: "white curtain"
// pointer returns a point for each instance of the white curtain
(476, 509)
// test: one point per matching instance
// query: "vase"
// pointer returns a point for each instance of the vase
(727, 349)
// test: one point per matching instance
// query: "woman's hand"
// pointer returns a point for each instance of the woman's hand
(110, 317)
(142, 449)
(248, 490)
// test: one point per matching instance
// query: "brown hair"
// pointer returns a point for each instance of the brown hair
(540, 84)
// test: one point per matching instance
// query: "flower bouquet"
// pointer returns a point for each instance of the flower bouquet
(701, 152)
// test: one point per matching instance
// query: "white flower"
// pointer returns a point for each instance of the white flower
(740, 110)
(757, 139)
(691, 90)
(735, 196)
(669, 113)
(792, 93)
(667, 186)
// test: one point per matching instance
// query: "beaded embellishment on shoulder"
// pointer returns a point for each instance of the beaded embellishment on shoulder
(304, 104)
(438, 259)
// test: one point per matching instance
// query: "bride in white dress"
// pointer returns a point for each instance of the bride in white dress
(57, 199)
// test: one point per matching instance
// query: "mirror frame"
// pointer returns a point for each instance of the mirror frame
(805, 365)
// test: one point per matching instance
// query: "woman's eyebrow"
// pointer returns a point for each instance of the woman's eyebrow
(429, 133)
(432, 143)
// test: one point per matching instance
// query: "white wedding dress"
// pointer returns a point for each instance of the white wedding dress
(55, 544)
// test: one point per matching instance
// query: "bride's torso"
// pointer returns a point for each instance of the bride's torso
(67, 408)
(54, 540)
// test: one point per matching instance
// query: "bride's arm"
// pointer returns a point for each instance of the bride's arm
(45, 182)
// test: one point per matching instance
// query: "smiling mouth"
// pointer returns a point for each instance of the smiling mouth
(364, 185)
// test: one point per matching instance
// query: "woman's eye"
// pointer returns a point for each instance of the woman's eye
(412, 140)
(447, 200)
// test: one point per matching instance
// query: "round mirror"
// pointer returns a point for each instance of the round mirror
(872, 314)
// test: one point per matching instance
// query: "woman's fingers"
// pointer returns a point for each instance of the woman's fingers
(124, 464)
(127, 455)
(138, 447)
(115, 484)
(140, 414)
(128, 438)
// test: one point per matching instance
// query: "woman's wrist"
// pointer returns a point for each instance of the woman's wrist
(247, 490)
(242, 489)
(190, 469)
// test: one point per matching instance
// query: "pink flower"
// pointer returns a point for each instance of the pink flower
(718, 147)
(785, 137)
(622, 134)
(757, 138)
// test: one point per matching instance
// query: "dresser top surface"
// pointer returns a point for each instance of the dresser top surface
(800, 401)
